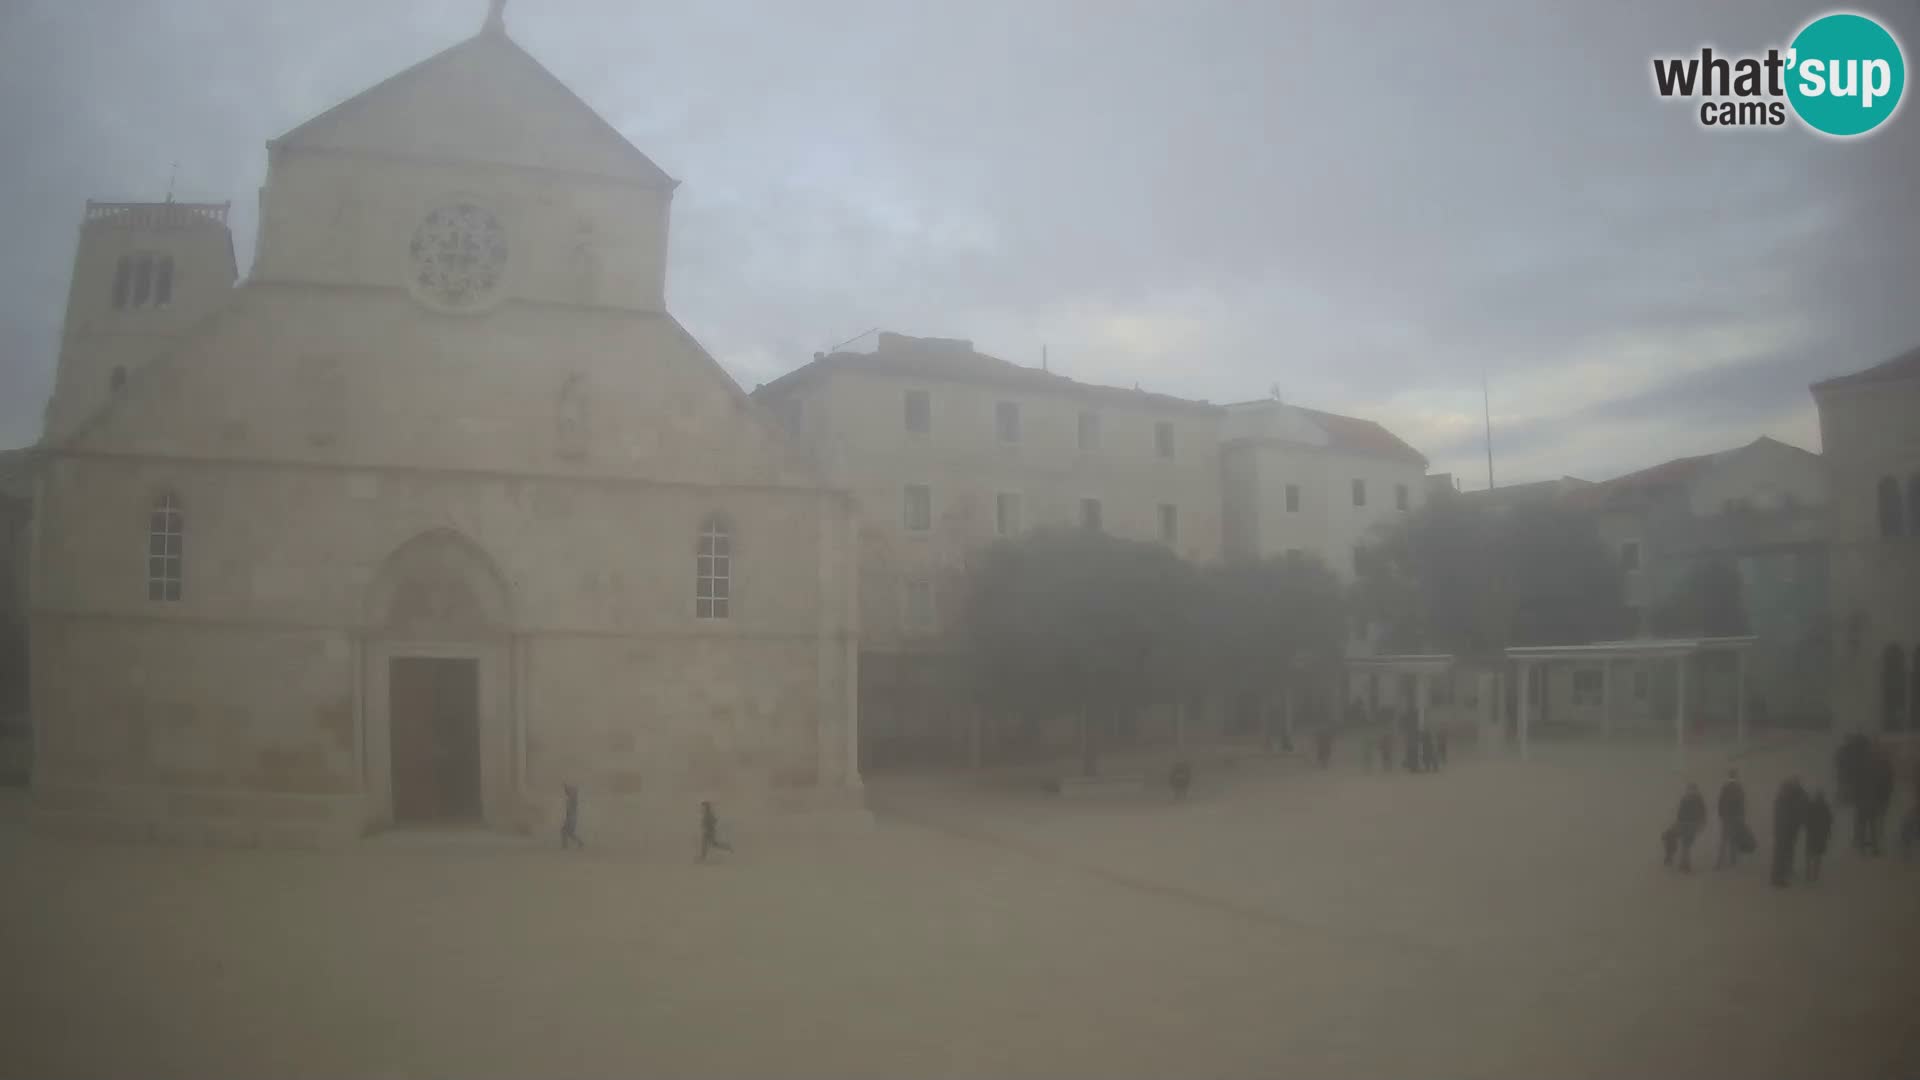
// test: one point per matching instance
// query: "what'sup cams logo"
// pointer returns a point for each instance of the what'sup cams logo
(1842, 75)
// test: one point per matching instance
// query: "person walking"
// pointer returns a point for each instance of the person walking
(1688, 820)
(1732, 808)
(710, 832)
(570, 819)
(1440, 746)
(1819, 828)
(1323, 745)
(1789, 816)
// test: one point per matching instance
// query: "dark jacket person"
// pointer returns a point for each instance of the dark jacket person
(1688, 820)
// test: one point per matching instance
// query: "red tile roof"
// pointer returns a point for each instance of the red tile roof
(1357, 436)
(1904, 366)
(1650, 482)
(951, 360)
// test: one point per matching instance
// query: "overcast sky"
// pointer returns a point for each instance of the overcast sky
(1367, 208)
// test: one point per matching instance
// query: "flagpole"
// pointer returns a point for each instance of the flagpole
(1486, 405)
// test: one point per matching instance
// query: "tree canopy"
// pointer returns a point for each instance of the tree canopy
(1463, 578)
(1075, 620)
(1709, 601)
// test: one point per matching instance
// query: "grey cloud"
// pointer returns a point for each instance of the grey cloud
(1368, 207)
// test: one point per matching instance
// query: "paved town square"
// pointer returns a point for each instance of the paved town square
(1499, 918)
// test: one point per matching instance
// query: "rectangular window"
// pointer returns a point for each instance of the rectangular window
(1359, 493)
(163, 281)
(1006, 514)
(1163, 438)
(713, 571)
(919, 508)
(920, 604)
(1169, 523)
(1630, 555)
(1089, 431)
(919, 412)
(1006, 421)
(1293, 498)
(1399, 496)
(1293, 553)
(142, 279)
(1587, 687)
(122, 280)
(165, 530)
(1090, 513)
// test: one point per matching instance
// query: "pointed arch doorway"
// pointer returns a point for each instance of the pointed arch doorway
(442, 738)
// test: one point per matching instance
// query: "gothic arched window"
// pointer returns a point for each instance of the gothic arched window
(713, 581)
(166, 527)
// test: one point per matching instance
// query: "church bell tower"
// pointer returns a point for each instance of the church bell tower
(143, 274)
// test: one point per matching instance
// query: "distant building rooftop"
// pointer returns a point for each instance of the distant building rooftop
(1349, 434)
(1666, 477)
(955, 360)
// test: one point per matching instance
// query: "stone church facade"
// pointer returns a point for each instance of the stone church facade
(436, 511)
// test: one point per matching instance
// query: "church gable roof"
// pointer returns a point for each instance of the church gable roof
(485, 100)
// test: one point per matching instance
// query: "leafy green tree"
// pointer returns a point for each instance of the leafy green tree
(1075, 620)
(1458, 577)
(1269, 627)
(1709, 601)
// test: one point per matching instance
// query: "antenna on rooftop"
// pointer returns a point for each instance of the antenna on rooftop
(851, 340)
(173, 173)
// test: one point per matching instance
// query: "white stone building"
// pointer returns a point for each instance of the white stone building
(437, 510)
(945, 449)
(1870, 432)
(1302, 480)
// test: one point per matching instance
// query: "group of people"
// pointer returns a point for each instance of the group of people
(1421, 749)
(1865, 771)
(1866, 783)
(570, 825)
(1794, 812)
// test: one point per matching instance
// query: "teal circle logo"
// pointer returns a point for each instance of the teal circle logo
(1845, 74)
